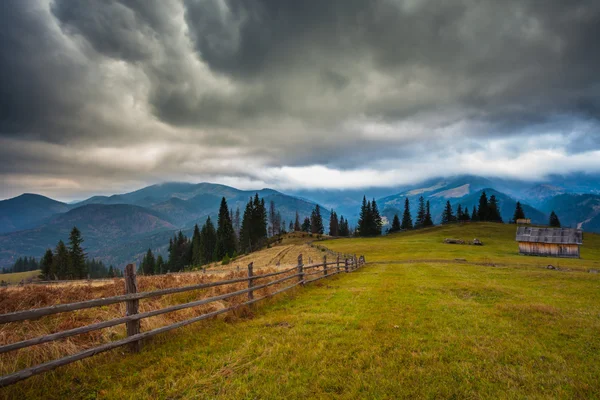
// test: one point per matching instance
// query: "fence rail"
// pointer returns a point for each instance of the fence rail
(133, 317)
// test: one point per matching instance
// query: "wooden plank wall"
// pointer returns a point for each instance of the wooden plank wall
(549, 249)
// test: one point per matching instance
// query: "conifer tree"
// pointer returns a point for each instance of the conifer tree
(363, 218)
(483, 210)
(466, 215)
(76, 255)
(316, 221)
(447, 215)
(46, 265)
(421, 213)
(111, 272)
(344, 231)
(208, 242)
(196, 247)
(554, 221)
(519, 213)
(60, 261)
(306, 225)
(493, 210)
(148, 263)
(377, 221)
(297, 226)
(226, 241)
(475, 214)
(406, 218)
(428, 220)
(395, 224)
(334, 224)
(159, 266)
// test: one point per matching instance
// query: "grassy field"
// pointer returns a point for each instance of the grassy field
(408, 325)
(19, 276)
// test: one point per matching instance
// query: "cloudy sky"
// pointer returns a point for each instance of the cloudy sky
(108, 96)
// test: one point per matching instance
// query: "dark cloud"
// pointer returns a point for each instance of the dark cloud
(343, 84)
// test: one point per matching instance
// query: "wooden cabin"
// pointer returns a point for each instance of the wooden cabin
(523, 221)
(549, 242)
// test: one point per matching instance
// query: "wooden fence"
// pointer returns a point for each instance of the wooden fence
(132, 318)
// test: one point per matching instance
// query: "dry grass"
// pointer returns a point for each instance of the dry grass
(35, 296)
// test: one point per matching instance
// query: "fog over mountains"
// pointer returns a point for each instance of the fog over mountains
(119, 228)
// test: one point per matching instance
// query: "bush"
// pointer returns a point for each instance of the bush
(225, 260)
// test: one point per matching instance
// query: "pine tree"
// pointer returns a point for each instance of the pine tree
(493, 210)
(554, 221)
(297, 226)
(406, 218)
(272, 218)
(46, 265)
(226, 241)
(483, 211)
(447, 215)
(334, 224)
(519, 213)
(111, 272)
(60, 260)
(428, 220)
(316, 221)
(208, 242)
(344, 231)
(466, 215)
(76, 255)
(306, 225)
(475, 214)
(421, 213)
(395, 224)
(196, 247)
(148, 263)
(377, 221)
(159, 267)
(363, 218)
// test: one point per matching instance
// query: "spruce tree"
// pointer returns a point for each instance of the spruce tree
(519, 213)
(76, 255)
(46, 265)
(306, 225)
(466, 215)
(447, 215)
(377, 221)
(297, 226)
(208, 242)
(554, 221)
(159, 267)
(475, 215)
(226, 241)
(111, 272)
(363, 218)
(196, 247)
(60, 261)
(246, 228)
(316, 221)
(483, 210)
(493, 210)
(148, 263)
(395, 224)
(428, 220)
(421, 213)
(459, 213)
(406, 218)
(334, 224)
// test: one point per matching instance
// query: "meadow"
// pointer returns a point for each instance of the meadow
(414, 322)
(16, 277)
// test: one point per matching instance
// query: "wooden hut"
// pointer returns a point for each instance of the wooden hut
(549, 242)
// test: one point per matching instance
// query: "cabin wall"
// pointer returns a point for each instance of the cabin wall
(549, 249)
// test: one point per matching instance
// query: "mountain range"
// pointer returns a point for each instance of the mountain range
(118, 229)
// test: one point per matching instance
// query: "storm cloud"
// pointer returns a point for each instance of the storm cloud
(105, 96)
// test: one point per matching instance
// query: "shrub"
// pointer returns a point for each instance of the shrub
(226, 260)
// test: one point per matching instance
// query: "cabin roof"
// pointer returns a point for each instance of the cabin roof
(549, 235)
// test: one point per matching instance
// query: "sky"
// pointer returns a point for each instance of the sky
(110, 96)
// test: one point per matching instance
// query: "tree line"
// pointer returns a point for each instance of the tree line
(23, 264)
(70, 262)
(423, 219)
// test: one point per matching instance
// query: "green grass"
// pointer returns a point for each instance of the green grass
(389, 330)
(17, 277)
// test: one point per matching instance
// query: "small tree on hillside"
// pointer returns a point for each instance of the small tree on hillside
(421, 212)
(483, 208)
(428, 220)
(76, 255)
(494, 210)
(554, 221)
(306, 225)
(316, 221)
(519, 213)
(395, 224)
(406, 218)
(448, 215)
(46, 265)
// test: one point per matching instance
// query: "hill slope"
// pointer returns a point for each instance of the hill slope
(27, 211)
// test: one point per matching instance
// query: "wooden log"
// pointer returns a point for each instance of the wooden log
(250, 280)
(338, 263)
(132, 306)
(325, 265)
(300, 270)
(346, 266)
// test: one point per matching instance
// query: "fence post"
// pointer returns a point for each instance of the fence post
(300, 270)
(355, 262)
(250, 280)
(346, 265)
(338, 263)
(132, 306)
(324, 265)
